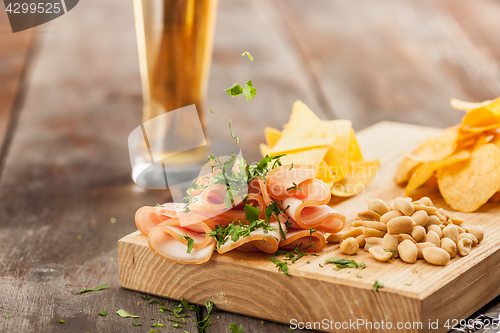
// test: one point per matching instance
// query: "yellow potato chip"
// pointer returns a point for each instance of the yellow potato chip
(466, 186)
(354, 151)
(304, 130)
(426, 170)
(495, 197)
(467, 106)
(312, 156)
(481, 117)
(356, 179)
(272, 136)
(324, 173)
(436, 149)
(264, 149)
(337, 156)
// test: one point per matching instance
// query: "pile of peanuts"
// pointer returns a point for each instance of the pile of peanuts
(408, 230)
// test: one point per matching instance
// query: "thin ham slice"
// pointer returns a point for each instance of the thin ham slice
(266, 242)
(163, 244)
(146, 218)
(281, 179)
(303, 238)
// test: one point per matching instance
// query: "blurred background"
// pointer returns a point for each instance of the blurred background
(70, 94)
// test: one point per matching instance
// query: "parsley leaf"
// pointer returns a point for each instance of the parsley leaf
(8, 316)
(248, 54)
(251, 213)
(282, 266)
(124, 314)
(235, 328)
(60, 321)
(377, 285)
(189, 240)
(157, 325)
(103, 313)
(249, 91)
(95, 289)
(344, 263)
(188, 306)
(205, 323)
(235, 90)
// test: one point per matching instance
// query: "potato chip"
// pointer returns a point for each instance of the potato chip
(324, 173)
(272, 136)
(354, 151)
(466, 186)
(304, 130)
(495, 197)
(337, 156)
(481, 117)
(435, 149)
(426, 170)
(356, 179)
(467, 106)
(313, 156)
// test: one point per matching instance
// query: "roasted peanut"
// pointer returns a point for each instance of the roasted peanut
(441, 217)
(400, 225)
(451, 231)
(436, 255)
(460, 229)
(427, 209)
(433, 219)
(420, 217)
(388, 216)
(357, 223)
(335, 238)
(436, 229)
(467, 235)
(407, 251)
(426, 201)
(371, 242)
(457, 221)
(354, 232)
(404, 206)
(418, 233)
(477, 231)
(432, 237)
(369, 215)
(349, 246)
(449, 246)
(464, 246)
(390, 242)
(379, 253)
(361, 240)
(421, 246)
(370, 232)
(378, 206)
(375, 225)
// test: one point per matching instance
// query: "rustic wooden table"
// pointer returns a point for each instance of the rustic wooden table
(70, 94)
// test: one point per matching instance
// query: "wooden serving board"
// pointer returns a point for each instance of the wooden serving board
(249, 283)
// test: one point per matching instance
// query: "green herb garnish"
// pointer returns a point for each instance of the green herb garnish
(235, 328)
(124, 314)
(248, 54)
(136, 324)
(282, 266)
(8, 316)
(294, 187)
(60, 321)
(359, 276)
(103, 313)
(157, 325)
(377, 285)
(231, 132)
(189, 240)
(344, 263)
(95, 289)
(211, 111)
(205, 323)
(248, 91)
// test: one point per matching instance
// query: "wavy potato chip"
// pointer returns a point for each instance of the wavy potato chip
(466, 186)
(272, 136)
(325, 174)
(467, 106)
(304, 130)
(426, 170)
(481, 117)
(354, 151)
(313, 156)
(356, 179)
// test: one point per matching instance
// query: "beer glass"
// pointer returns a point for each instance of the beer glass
(175, 42)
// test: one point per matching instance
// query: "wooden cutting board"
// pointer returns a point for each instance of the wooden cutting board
(420, 296)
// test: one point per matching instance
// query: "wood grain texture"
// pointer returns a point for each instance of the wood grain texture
(14, 54)
(311, 293)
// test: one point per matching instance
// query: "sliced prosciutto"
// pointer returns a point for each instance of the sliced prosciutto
(304, 239)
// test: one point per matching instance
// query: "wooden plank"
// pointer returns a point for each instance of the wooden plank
(311, 293)
(14, 52)
(394, 60)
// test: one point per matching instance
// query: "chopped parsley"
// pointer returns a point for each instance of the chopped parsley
(280, 265)
(248, 91)
(124, 314)
(157, 325)
(136, 324)
(103, 313)
(154, 330)
(377, 285)
(7, 316)
(320, 265)
(60, 321)
(392, 251)
(231, 132)
(345, 263)
(79, 237)
(189, 240)
(95, 289)
(205, 323)
(211, 110)
(294, 187)
(235, 328)
(291, 166)
(359, 276)
(248, 54)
